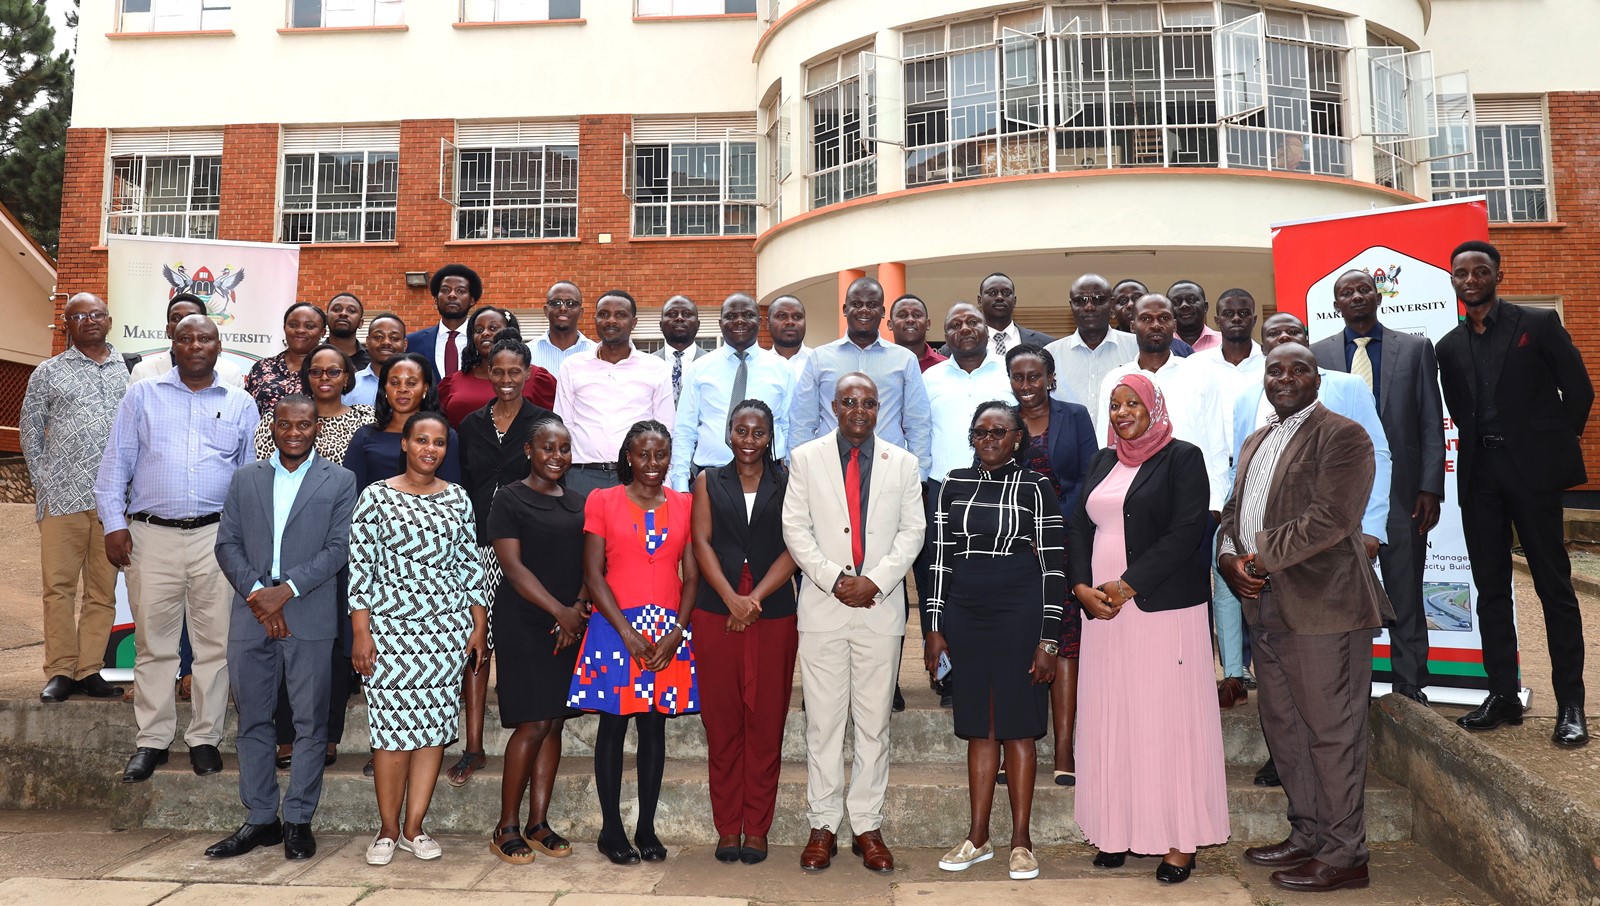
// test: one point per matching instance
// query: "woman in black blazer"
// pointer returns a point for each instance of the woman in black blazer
(1060, 444)
(744, 631)
(1151, 746)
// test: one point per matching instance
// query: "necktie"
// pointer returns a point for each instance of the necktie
(677, 373)
(852, 499)
(452, 354)
(999, 344)
(1360, 363)
(740, 379)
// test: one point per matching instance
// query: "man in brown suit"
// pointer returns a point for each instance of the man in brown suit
(1291, 548)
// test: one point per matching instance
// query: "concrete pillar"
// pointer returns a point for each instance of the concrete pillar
(892, 274)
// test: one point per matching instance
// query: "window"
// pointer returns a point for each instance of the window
(646, 8)
(520, 10)
(340, 184)
(515, 181)
(345, 13)
(777, 138)
(1507, 163)
(694, 177)
(164, 184)
(175, 15)
(844, 165)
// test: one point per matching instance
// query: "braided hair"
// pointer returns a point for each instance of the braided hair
(755, 405)
(639, 429)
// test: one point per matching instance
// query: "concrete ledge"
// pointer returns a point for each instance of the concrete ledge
(1486, 816)
(1580, 582)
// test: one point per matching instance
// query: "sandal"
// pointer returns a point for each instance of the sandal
(513, 848)
(468, 764)
(551, 844)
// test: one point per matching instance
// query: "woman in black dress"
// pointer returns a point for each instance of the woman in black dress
(999, 579)
(493, 440)
(540, 610)
(744, 623)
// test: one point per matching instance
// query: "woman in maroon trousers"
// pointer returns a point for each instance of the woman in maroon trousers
(744, 631)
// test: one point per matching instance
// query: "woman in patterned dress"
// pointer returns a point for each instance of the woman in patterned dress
(272, 378)
(492, 456)
(471, 388)
(420, 615)
(637, 662)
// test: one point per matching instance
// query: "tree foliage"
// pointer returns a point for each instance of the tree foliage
(35, 108)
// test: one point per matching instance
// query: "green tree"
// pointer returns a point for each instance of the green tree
(35, 107)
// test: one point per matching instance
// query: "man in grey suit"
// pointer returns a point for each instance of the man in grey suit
(1401, 371)
(997, 299)
(283, 539)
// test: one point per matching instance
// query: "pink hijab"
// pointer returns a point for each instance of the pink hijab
(1135, 452)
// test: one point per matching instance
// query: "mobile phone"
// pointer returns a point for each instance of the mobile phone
(942, 668)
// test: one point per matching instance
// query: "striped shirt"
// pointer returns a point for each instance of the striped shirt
(1258, 481)
(984, 514)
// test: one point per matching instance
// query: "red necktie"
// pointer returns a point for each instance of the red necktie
(852, 499)
(452, 355)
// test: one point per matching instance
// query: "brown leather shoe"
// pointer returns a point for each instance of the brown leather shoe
(1317, 877)
(873, 851)
(1230, 692)
(1278, 855)
(820, 850)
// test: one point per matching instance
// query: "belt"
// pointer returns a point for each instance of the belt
(1492, 441)
(185, 524)
(596, 466)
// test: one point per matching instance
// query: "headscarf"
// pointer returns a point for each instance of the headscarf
(1135, 452)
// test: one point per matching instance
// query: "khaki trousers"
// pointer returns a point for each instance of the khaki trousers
(71, 546)
(848, 673)
(174, 574)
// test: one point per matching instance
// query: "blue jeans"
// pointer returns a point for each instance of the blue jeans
(1230, 626)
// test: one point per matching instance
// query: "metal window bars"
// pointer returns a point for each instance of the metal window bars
(164, 195)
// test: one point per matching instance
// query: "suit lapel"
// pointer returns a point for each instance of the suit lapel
(835, 472)
(1301, 438)
(309, 486)
(1389, 367)
(262, 486)
(765, 491)
(1143, 475)
(1057, 429)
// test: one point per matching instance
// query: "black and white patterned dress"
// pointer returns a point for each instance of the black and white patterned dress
(414, 568)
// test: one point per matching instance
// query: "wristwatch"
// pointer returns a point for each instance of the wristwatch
(1050, 648)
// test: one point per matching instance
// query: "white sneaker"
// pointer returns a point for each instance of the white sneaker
(422, 846)
(380, 851)
(966, 855)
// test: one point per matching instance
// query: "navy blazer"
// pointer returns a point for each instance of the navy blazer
(421, 342)
(1072, 446)
(315, 546)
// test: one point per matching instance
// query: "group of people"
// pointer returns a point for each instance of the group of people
(644, 536)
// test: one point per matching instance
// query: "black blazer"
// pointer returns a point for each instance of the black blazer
(1072, 448)
(1543, 396)
(487, 463)
(1028, 335)
(757, 539)
(1164, 522)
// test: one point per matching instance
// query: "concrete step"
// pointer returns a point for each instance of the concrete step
(927, 804)
(922, 733)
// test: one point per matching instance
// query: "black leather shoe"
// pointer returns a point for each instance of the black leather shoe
(1495, 710)
(205, 760)
(899, 700)
(1268, 775)
(1167, 873)
(246, 838)
(1103, 859)
(1412, 693)
(650, 846)
(1572, 730)
(618, 851)
(95, 686)
(143, 764)
(58, 689)
(1278, 855)
(298, 844)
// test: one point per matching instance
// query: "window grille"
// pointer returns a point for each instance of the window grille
(164, 184)
(512, 180)
(844, 165)
(1507, 164)
(694, 177)
(339, 184)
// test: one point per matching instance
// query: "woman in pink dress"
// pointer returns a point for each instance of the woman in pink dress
(1149, 742)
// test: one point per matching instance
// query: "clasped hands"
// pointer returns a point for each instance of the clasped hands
(654, 656)
(1105, 601)
(855, 591)
(1242, 575)
(266, 604)
(743, 610)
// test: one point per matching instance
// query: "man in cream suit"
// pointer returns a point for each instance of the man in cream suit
(853, 520)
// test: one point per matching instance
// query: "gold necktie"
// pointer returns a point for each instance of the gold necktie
(1360, 364)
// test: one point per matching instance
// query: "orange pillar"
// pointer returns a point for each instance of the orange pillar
(892, 274)
(846, 278)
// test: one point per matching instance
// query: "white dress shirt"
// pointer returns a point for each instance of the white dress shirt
(1079, 369)
(549, 356)
(1194, 392)
(701, 435)
(440, 341)
(953, 395)
(1237, 379)
(600, 401)
(798, 361)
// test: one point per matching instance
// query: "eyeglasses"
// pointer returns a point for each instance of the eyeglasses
(82, 316)
(1088, 300)
(563, 303)
(317, 374)
(853, 403)
(978, 434)
(999, 292)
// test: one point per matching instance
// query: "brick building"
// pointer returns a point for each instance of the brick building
(707, 146)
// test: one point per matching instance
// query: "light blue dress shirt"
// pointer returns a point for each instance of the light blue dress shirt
(173, 450)
(549, 356)
(953, 395)
(902, 398)
(700, 436)
(366, 390)
(285, 488)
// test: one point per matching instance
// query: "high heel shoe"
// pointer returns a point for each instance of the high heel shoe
(1103, 859)
(619, 853)
(1167, 873)
(651, 849)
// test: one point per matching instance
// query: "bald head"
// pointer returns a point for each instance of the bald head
(1283, 328)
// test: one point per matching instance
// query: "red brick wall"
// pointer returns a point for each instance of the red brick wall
(515, 274)
(1559, 258)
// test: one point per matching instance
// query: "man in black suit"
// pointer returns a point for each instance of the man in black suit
(1403, 376)
(1519, 394)
(455, 289)
(997, 299)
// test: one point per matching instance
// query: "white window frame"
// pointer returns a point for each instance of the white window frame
(834, 83)
(519, 10)
(514, 151)
(351, 13)
(649, 9)
(157, 154)
(1467, 175)
(377, 145)
(732, 140)
(175, 16)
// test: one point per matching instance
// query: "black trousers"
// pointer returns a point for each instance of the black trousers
(1401, 562)
(1499, 498)
(922, 566)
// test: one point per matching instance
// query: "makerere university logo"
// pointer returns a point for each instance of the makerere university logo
(219, 292)
(1427, 288)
